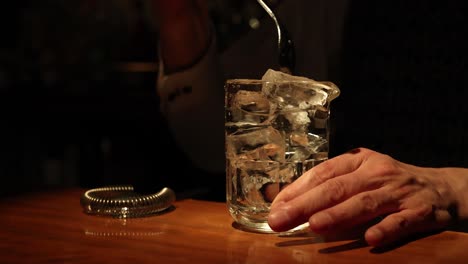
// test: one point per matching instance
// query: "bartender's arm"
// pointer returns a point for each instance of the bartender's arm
(190, 83)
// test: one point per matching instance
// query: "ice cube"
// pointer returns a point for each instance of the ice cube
(274, 76)
(302, 145)
(251, 101)
(259, 181)
(320, 116)
(299, 120)
(250, 107)
(289, 172)
(264, 143)
(295, 95)
(297, 91)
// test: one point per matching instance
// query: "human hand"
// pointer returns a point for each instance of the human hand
(184, 31)
(356, 187)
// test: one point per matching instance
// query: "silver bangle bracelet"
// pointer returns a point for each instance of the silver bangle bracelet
(122, 202)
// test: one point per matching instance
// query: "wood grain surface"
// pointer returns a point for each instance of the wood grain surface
(50, 227)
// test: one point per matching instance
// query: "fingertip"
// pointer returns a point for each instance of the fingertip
(278, 219)
(374, 237)
(320, 222)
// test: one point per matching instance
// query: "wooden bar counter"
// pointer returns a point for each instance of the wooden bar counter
(50, 227)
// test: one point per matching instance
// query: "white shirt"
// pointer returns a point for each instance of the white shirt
(193, 100)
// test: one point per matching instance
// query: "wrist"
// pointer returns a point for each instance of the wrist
(457, 178)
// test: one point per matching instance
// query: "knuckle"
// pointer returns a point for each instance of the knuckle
(425, 210)
(400, 222)
(368, 203)
(442, 217)
(336, 190)
(310, 177)
(386, 168)
(321, 173)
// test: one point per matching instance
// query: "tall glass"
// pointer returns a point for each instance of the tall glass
(274, 131)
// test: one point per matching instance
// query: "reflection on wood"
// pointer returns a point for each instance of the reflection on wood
(51, 227)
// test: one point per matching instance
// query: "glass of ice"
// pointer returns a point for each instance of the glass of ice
(275, 130)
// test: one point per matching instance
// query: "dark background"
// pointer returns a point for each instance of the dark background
(78, 104)
(78, 92)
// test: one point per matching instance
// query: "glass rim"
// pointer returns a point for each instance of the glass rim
(255, 81)
(331, 88)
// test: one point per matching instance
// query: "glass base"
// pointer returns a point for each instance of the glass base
(248, 219)
(264, 228)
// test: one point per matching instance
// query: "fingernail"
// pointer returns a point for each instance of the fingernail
(320, 221)
(279, 217)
